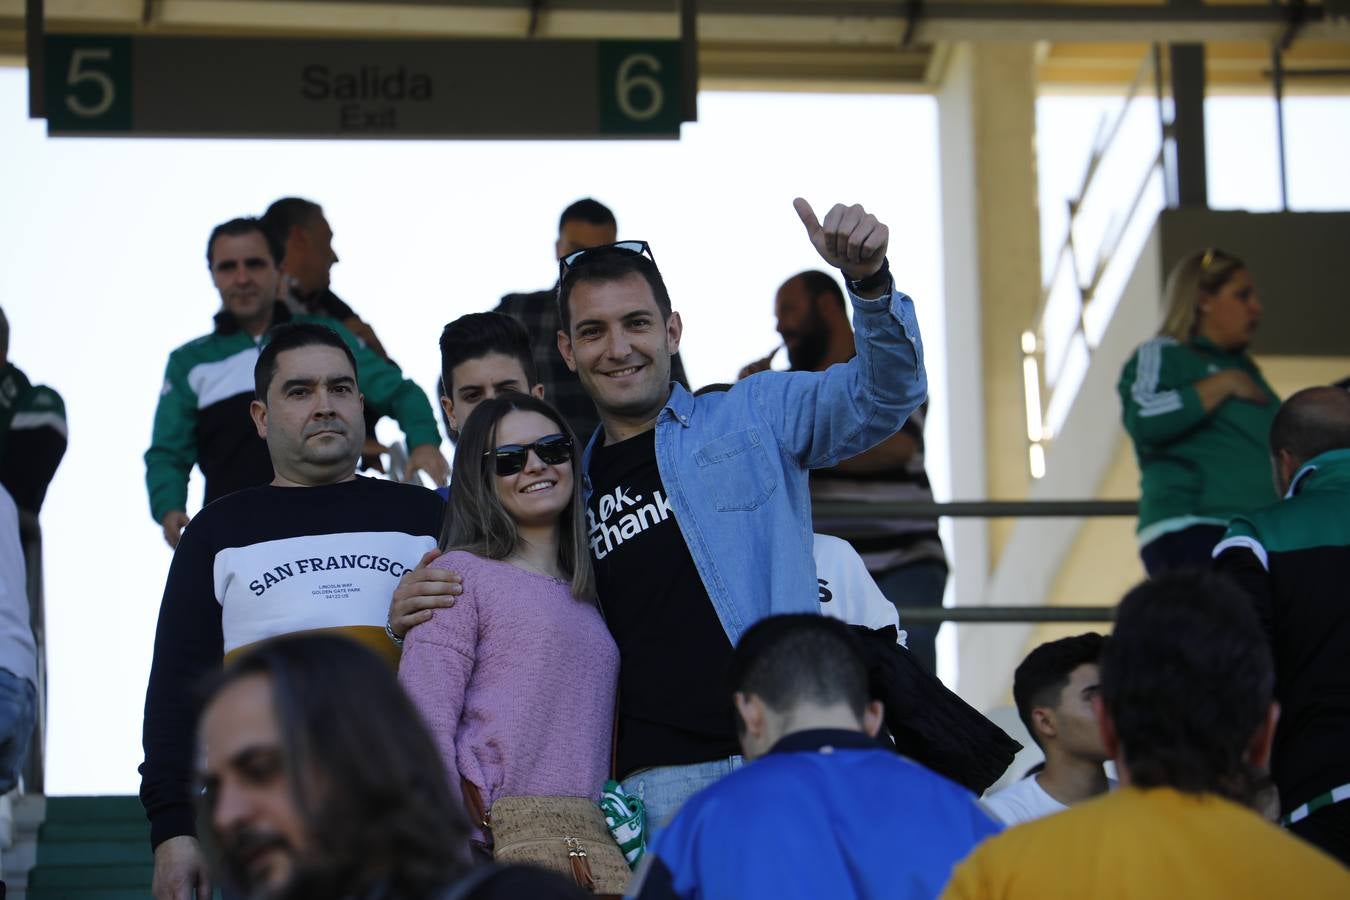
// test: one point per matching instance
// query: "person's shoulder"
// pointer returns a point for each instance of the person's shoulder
(410, 507)
(462, 561)
(1153, 348)
(40, 398)
(224, 520)
(206, 345)
(1016, 803)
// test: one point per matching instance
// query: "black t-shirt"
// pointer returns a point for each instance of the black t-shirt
(674, 708)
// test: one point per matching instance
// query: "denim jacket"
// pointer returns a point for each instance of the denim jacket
(734, 464)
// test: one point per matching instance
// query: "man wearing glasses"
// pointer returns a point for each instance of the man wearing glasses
(698, 509)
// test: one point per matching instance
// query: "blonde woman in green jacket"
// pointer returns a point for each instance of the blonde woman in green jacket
(1199, 413)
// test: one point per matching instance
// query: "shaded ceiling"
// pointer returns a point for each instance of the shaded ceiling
(788, 44)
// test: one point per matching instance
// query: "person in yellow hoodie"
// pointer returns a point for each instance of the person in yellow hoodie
(1186, 709)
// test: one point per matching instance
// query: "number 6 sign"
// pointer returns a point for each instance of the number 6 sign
(639, 87)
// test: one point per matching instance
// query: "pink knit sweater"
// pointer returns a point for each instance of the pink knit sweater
(516, 682)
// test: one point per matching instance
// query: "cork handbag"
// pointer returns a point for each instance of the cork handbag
(567, 835)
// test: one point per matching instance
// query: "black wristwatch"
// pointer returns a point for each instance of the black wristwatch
(877, 280)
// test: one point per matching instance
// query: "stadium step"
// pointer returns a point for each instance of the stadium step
(92, 848)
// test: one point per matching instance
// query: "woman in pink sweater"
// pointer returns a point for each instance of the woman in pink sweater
(517, 680)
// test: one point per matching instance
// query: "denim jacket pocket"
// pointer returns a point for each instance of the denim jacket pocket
(736, 470)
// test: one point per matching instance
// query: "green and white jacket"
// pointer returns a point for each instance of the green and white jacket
(203, 417)
(1195, 468)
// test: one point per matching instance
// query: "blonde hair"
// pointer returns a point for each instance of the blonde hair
(1202, 272)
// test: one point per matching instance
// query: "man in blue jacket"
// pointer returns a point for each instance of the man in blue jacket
(823, 810)
(698, 509)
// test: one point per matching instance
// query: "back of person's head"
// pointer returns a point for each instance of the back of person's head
(820, 284)
(288, 213)
(4, 337)
(792, 661)
(1040, 679)
(476, 335)
(1186, 682)
(1313, 421)
(604, 265)
(1202, 272)
(364, 775)
(291, 336)
(276, 247)
(477, 521)
(587, 210)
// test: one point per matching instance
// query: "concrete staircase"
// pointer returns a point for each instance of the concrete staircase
(79, 848)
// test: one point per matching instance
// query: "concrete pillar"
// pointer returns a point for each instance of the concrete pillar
(992, 274)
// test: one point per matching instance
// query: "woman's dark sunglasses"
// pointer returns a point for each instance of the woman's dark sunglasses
(551, 449)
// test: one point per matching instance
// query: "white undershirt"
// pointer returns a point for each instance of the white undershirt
(1024, 801)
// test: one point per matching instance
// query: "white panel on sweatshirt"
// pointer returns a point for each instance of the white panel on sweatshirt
(315, 581)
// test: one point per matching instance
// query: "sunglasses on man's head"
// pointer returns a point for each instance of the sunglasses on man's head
(551, 449)
(579, 257)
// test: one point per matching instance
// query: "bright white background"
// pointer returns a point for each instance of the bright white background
(103, 272)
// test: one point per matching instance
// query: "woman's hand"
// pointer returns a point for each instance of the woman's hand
(1233, 383)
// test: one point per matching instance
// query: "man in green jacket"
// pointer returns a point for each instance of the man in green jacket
(1293, 558)
(202, 417)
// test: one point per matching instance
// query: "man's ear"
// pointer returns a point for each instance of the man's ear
(1258, 748)
(674, 330)
(1107, 728)
(257, 411)
(565, 349)
(751, 710)
(1043, 721)
(448, 405)
(537, 391)
(873, 715)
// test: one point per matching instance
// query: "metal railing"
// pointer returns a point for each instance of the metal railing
(1083, 282)
(977, 509)
(987, 509)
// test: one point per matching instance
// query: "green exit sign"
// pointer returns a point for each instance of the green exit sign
(101, 85)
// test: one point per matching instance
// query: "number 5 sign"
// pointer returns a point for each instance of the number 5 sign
(640, 85)
(88, 83)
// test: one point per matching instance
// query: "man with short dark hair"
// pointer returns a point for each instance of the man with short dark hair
(1054, 688)
(307, 264)
(584, 224)
(483, 354)
(904, 556)
(32, 432)
(1187, 711)
(822, 809)
(318, 549)
(1293, 558)
(697, 508)
(202, 416)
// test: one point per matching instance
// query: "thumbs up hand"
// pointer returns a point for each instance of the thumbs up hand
(851, 239)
